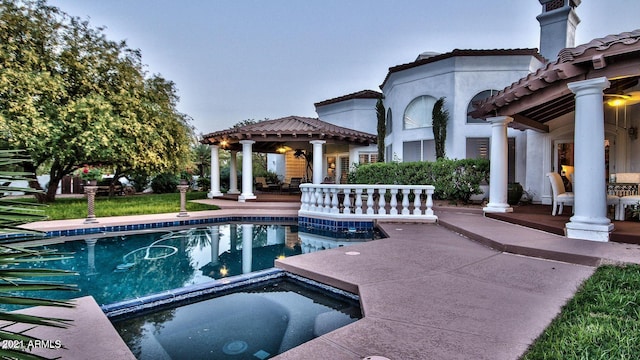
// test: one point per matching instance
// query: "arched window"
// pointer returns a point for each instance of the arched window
(418, 112)
(388, 127)
(479, 96)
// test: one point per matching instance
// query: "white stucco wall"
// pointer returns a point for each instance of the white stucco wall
(458, 79)
(357, 114)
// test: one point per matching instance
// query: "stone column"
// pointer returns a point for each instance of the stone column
(317, 160)
(589, 221)
(233, 173)
(90, 191)
(247, 171)
(499, 177)
(183, 200)
(215, 173)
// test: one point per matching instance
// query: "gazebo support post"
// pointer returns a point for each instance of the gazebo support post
(215, 173)
(247, 171)
(233, 173)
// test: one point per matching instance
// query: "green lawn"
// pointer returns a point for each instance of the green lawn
(602, 321)
(76, 208)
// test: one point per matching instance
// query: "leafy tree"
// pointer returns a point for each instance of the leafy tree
(70, 96)
(201, 157)
(440, 120)
(380, 112)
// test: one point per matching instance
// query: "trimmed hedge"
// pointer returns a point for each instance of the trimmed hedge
(453, 179)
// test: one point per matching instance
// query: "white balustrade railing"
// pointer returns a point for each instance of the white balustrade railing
(368, 201)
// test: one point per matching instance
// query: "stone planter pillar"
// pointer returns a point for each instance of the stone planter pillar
(90, 190)
(183, 200)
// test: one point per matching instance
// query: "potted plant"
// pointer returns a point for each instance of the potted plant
(90, 174)
(186, 176)
(514, 193)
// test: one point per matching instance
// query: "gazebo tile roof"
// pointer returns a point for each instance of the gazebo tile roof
(291, 128)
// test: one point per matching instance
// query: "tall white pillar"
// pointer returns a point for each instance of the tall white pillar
(247, 247)
(499, 176)
(215, 172)
(317, 160)
(247, 171)
(590, 221)
(233, 173)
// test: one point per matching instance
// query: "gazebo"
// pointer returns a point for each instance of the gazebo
(571, 92)
(276, 136)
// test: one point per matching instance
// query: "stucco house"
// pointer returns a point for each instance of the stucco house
(523, 109)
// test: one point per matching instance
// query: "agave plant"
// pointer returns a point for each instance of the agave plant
(15, 281)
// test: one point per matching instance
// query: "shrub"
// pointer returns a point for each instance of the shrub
(164, 183)
(204, 183)
(140, 181)
(453, 179)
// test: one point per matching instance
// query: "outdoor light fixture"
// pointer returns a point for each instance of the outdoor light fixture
(616, 102)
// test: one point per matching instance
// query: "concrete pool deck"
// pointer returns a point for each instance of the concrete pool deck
(466, 287)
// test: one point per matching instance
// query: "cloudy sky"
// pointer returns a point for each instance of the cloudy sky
(254, 59)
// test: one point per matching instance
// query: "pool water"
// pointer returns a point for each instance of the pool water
(117, 268)
(255, 323)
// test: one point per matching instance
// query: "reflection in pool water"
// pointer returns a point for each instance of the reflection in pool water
(117, 268)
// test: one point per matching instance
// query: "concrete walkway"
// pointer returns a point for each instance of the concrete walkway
(429, 293)
(459, 289)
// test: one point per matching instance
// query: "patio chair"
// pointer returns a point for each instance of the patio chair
(560, 196)
(626, 201)
(261, 184)
(294, 185)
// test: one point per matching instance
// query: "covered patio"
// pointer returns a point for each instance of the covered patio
(309, 137)
(587, 97)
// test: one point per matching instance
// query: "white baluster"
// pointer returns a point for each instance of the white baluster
(358, 203)
(394, 202)
(429, 210)
(304, 201)
(405, 201)
(318, 199)
(417, 202)
(370, 201)
(334, 201)
(327, 200)
(382, 202)
(346, 203)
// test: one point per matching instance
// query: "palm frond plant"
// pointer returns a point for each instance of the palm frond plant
(15, 281)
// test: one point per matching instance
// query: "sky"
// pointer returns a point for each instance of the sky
(233, 60)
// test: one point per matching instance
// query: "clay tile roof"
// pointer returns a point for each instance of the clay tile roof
(571, 63)
(291, 128)
(364, 94)
(461, 52)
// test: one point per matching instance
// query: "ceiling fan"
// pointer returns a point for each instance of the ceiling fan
(629, 98)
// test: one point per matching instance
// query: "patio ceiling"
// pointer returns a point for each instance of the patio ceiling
(543, 96)
(293, 131)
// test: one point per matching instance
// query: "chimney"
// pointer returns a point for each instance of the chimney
(558, 23)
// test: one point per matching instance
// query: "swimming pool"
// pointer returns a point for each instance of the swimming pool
(120, 267)
(256, 321)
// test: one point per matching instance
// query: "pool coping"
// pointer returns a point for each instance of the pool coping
(220, 287)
